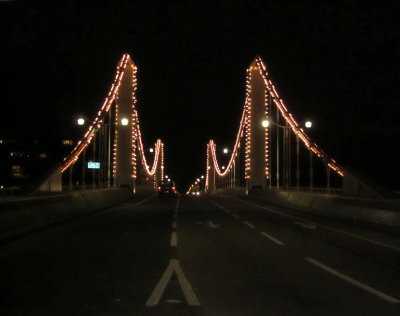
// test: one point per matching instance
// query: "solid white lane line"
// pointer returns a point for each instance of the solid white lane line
(174, 239)
(174, 224)
(235, 216)
(249, 224)
(360, 237)
(354, 282)
(273, 239)
(187, 290)
(322, 226)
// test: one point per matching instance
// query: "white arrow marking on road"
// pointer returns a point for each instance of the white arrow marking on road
(306, 225)
(187, 290)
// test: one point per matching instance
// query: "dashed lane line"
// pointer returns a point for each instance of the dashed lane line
(372, 241)
(273, 239)
(174, 240)
(249, 224)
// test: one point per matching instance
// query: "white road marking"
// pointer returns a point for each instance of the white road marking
(208, 224)
(249, 224)
(174, 225)
(361, 237)
(354, 282)
(177, 205)
(174, 239)
(173, 301)
(236, 216)
(220, 206)
(322, 226)
(273, 239)
(187, 290)
(306, 225)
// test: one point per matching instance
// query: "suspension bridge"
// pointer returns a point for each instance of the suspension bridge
(275, 226)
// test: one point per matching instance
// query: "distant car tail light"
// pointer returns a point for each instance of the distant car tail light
(159, 188)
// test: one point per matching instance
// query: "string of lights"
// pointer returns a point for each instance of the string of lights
(245, 125)
(136, 137)
(297, 130)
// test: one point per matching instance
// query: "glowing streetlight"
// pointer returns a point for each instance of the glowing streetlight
(265, 123)
(81, 121)
(151, 150)
(124, 121)
(202, 177)
(223, 167)
(225, 150)
(308, 124)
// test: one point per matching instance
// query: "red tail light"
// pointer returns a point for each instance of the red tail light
(159, 188)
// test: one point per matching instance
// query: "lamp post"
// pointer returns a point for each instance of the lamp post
(307, 124)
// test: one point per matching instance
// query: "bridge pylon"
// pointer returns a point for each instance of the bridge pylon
(125, 128)
(256, 135)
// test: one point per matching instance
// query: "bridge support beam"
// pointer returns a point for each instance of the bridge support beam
(124, 126)
(256, 176)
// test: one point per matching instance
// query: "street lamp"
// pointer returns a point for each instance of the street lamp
(225, 150)
(80, 121)
(124, 121)
(265, 123)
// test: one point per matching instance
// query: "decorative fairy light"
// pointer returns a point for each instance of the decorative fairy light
(136, 138)
(266, 136)
(292, 122)
(83, 143)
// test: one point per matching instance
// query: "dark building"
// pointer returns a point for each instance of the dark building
(24, 164)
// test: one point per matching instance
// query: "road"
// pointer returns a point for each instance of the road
(201, 256)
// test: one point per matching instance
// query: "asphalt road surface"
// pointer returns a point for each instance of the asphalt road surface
(201, 256)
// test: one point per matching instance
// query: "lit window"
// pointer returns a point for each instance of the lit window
(67, 142)
(17, 154)
(17, 171)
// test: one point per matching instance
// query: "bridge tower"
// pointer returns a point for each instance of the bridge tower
(125, 128)
(256, 135)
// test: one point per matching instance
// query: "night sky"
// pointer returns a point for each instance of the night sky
(335, 63)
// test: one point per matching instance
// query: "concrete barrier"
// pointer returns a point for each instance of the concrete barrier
(376, 211)
(24, 216)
